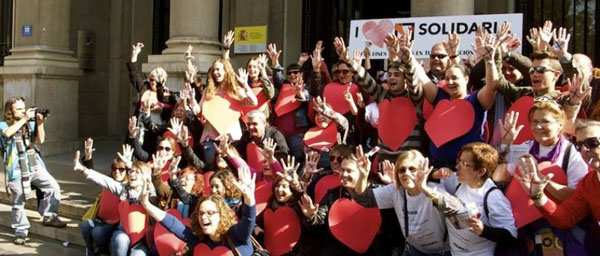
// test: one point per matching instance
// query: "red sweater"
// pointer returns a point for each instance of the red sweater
(585, 200)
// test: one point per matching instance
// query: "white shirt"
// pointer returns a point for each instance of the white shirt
(426, 224)
(466, 243)
(576, 170)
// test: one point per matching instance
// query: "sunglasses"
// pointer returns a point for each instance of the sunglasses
(342, 71)
(115, 169)
(539, 69)
(159, 148)
(438, 56)
(589, 143)
(294, 72)
(403, 169)
(336, 159)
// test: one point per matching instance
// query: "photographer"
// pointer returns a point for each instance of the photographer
(21, 129)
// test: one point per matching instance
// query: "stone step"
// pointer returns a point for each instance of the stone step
(71, 233)
(70, 207)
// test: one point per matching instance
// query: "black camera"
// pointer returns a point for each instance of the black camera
(44, 112)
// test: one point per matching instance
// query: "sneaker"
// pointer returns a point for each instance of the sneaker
(20, 240)
(53, 222)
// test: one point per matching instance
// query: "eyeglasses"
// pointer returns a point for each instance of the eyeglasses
(543, 123)
(336, 159)
(438, 56)
(464, 163)
(209, 213)
(114, 169)
(130, 171)
(293, 72)
(342, 71)
(403, 169)
(589, 143)
(159, 148)
(539, 69)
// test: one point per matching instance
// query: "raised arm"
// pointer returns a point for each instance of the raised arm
(487, 50)
(227, 42)
(416, 76)
(452, 47)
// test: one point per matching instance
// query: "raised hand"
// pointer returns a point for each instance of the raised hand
(486, 48)
(358, 56)
(504, 31)
(393, 46)
(246, 184)
(290, 168)
(531, 179)
(127, 155)
(340, 48)
(223, 147)
(262, 61)
(77, 166)
(88, 148)
(228, 40)
(387, 172)
(159, 161)
(188, 54)
(442, 173)
(348, 95)
(135, 50)
(183, 137)
(453, 44)
(545, 33)
(510, 131)
(308, 208)
(561, 42)
(302, 58)
(405, 44)
(173, 167)
(190, 73)
(321, 105)
(534, 39)
(363, 162)
(316, 58)
(422, 174)
(175, 126)
(577, 91)
(273, 54)
(242, 76)
(311, 162)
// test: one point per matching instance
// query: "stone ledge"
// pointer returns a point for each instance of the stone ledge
(67, 208)
(71, 233)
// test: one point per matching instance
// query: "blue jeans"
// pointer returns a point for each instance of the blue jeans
(412, 251)
(120, 245)
(96, 234)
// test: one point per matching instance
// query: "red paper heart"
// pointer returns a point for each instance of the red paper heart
(221, 112)
(207, 188)
(166, 242)
(376, 32)
(203, 250)
(347, 222)
(134, 221)
(324, 184)
(262, 193)
(320, 139)
(427, 109)
(522, 106)
(107, 210)
(523, 208)
(396, 121)
(282, 230)
(255, 158)
(263, 102)
(334, 95)
(286, 101)
(449, 120)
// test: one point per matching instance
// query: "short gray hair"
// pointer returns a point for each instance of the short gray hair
(581, 124)
(256, 114)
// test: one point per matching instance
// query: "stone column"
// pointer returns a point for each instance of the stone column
(192, 22)
(422, 8)
(42, 69)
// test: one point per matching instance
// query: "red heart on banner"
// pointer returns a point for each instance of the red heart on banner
(397, 120)
(523, 208)
(134, 221)
(166, 242)
(203, 250)
(107, 210)
(221, 112)
(320, 139)
(324, 184)
(522, 106)
(286, 101)
(255, 158)
(207, 176)
(262, 193)
(263, 102)
(376, 32)
(449, 120)
(334, 95)
(347, 224)
(282, 230)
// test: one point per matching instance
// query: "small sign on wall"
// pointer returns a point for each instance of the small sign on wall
(250, 39)
(26, 30)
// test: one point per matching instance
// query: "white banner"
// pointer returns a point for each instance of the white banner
(428, 31)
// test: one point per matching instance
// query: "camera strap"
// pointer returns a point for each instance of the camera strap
(20, 140)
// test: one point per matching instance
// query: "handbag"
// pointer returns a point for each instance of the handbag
(92, 212)
(258, 249)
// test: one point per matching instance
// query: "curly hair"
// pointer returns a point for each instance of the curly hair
(226, 216)
(229, 83)
(198, 187)
(227, 178)
(8, 110)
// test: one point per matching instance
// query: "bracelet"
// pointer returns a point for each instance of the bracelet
(432, 196)
(537, 196)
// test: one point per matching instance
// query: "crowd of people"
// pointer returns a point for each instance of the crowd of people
(487, 155)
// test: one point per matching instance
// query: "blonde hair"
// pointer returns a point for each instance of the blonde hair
(229, 83)
(551, 107)
(410, 155)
